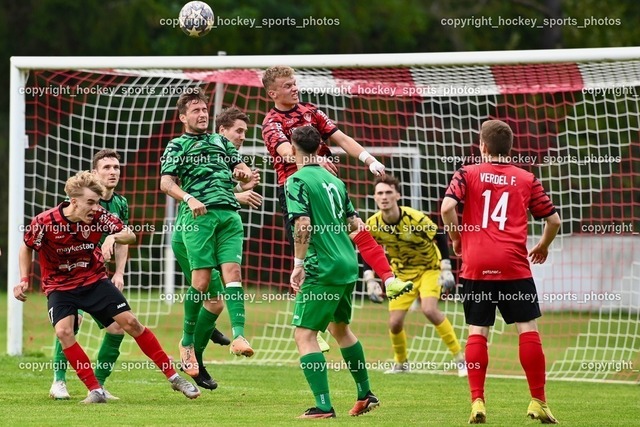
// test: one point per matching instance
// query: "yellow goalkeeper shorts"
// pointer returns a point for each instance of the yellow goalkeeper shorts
(426, 285)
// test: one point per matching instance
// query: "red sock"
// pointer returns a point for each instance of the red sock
(533, 363)
(477, 357)
(373, 254)
(150, 346)
(81, 363)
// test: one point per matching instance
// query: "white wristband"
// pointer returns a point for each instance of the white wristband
(364, 156)
(238, 188)
(186, 197)
(298, 262)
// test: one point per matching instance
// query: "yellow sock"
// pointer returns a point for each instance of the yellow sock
(399, 345)
(448, 335)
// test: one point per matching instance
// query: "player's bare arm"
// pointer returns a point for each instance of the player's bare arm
(538, 254)
(121, 254)
(25, 256)
(253, 182)
(249, 198)
(450, 220)
(169, 186)
(285, 151)
(301, 238)
(242, 173)
(355, 150)
(355, 225)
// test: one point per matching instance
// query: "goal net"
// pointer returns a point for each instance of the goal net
(574, 115)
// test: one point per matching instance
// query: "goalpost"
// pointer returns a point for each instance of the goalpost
(575, 117)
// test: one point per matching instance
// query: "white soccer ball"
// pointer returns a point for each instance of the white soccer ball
(196, 18)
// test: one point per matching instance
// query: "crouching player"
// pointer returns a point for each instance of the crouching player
(74, 277)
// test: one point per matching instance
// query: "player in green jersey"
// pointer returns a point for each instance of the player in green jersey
(106, 165)
(205, 166)
(232, 124)
(325, 272)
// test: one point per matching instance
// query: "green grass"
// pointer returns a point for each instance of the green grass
(274, 396)
(267, 394)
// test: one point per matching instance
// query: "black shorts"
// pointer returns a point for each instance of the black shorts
(102, 300)
(288, 231)
(517, 301)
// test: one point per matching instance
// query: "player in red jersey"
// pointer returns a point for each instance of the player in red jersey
(74, 277)
(492, 241)
(288, 114)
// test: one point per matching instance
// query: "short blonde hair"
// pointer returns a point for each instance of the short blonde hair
(498, 137)
(76, 184)
(271, 74)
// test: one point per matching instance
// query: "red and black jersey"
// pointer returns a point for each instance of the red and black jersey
(70, 254)
(496, 199)
(278, 126)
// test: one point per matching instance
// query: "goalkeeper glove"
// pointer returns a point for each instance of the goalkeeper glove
(446, 279)
(373, 287)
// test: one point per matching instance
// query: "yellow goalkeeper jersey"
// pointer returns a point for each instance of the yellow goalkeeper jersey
(409, 243)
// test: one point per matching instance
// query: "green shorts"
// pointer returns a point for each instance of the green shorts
(213, 239)
(180, 252)
(318, 305)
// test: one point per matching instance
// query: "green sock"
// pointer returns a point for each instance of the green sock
(60, 364)
(206, 324)
(107, 356)
(234, 296)
(192, 303)
(354, 358)
(314, 366)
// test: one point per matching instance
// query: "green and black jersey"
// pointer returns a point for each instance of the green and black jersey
(204, 165)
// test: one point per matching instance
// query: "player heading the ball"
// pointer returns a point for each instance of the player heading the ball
(289, 114)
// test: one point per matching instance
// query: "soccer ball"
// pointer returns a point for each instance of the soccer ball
(196, 19)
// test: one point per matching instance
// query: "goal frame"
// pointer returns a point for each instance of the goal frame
(18, 141)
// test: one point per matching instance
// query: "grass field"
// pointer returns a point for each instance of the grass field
(268, 394)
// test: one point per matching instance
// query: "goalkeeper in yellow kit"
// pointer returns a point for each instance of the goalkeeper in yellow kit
(419, 254)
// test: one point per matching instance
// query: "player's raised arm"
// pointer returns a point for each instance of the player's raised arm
(355, 150)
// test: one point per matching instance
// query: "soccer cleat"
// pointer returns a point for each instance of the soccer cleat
(58, 391)
(324, 346)
(219, 338)
(241, 347)
(398, 368)
(365, 405)
(188, 360)
(95, 396)
(397, 287)
(318, 413)
(204, 380)
(184, 386)
(538, 410)
(108, 395)
(478, 412)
